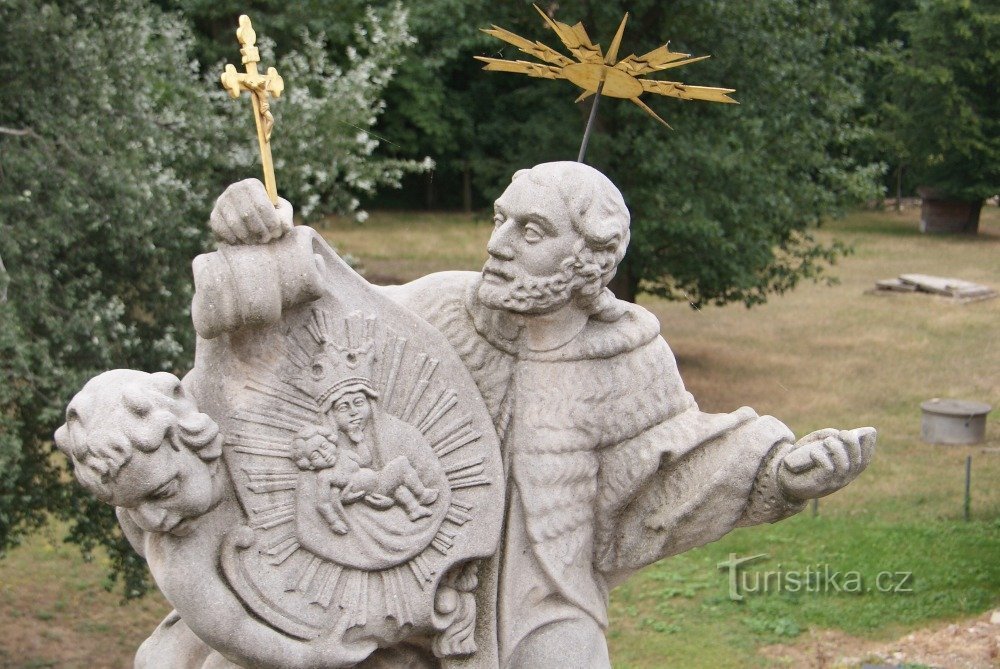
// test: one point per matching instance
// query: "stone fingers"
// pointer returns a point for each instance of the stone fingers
(219, 222)
(818, 435)
(252, 212)
(852, 447)
(284, 218)
(866, 441)
(243, 214)
(839, 450)
(821, 455)
(262, 219)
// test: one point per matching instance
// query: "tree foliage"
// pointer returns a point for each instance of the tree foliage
(113, 146)
(723, 204)
(102, 192)
(328, 115)
(944, 103)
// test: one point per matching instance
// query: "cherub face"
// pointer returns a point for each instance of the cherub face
(166, 488)
(351, 412)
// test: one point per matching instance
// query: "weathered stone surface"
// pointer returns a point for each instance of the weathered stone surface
(452, 472)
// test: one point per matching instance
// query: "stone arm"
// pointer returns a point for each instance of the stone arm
(263, 266)
(211, 610)
(683, 483)
(692, 477)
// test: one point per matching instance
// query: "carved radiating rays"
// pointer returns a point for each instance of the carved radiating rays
(466, 474)
(267, 516)
(268, 480)
(316, 580)
(276, 410)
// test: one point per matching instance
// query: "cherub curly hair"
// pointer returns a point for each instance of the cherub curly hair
(303, 442)
(123, 410)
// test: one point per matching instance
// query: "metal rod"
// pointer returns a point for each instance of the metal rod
(968, 487)
(590, 122)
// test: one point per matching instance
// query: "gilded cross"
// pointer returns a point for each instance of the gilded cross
(260, 86)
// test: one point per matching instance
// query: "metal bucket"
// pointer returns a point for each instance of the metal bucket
(947, 421)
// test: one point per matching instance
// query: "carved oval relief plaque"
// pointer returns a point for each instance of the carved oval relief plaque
(362, 454)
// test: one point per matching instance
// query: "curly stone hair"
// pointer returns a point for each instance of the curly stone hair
(598, 213)
(122, 410)
(304, 441)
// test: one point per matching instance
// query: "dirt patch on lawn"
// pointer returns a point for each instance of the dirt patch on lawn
(968, 644)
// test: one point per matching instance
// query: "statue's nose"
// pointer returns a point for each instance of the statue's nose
(499, 245)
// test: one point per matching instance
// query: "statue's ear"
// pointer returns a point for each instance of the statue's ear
(168, 384)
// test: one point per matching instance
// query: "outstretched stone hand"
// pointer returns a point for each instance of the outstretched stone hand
(243, 214)
(825, 461)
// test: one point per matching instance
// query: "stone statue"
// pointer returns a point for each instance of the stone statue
(452, 472)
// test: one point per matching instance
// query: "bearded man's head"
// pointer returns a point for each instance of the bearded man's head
(560, 231)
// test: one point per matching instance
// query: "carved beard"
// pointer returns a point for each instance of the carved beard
(530, 294)
(358, 442)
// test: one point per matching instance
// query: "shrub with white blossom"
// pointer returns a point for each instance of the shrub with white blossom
(113, 147)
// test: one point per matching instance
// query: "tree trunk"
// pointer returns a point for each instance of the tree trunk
(941, 214)
(624, 285)
(466, 188)
(899, 188)
(430, 192)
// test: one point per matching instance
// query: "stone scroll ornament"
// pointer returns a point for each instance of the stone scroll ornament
(359, 449)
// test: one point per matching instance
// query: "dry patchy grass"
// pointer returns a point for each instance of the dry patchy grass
(54, 611)
(836, 355)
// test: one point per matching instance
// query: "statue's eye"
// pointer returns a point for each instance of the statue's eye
(533, 233)
(167, 490)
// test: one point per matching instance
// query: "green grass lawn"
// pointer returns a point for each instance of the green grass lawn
(818, 356)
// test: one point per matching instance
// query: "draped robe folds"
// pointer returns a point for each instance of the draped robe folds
(610, 464)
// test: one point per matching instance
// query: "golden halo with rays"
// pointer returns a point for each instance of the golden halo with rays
(599, 73)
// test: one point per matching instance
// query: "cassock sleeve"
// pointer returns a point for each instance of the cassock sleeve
(686, 481)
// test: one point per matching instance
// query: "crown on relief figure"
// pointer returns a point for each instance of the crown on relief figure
(340, 365)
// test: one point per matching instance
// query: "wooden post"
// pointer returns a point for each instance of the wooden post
(968, 487)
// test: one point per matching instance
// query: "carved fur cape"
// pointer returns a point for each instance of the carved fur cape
(614, 464)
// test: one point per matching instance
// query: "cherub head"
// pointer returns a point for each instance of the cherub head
(137, 441)
(315, 447)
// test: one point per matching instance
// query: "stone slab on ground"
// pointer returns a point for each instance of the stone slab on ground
(957, 289)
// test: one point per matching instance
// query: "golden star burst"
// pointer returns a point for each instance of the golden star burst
(599, 73)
